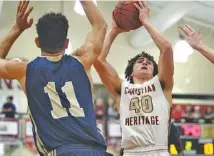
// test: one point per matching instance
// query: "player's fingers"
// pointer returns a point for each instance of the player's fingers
(145, 5)
(182, 33)
(137, 6)
(22, 6)
(185, 30)
(19, 6)
(180, 28)
(190, 28)
(141, 4)
(25, 7)
(28, 12)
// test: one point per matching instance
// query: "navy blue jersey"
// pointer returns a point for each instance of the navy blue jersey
(61, 104)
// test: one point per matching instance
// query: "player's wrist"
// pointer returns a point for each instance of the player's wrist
(144, 21)
(115, 31)
(17, 29)
(200, 46)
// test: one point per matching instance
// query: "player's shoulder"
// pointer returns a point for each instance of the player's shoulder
(18, 62)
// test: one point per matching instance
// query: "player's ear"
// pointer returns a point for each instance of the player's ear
(66, 43)
(37, 42)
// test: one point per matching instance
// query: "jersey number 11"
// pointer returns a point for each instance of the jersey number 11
(58, 110)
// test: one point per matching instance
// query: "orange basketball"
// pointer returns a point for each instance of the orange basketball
(126, 15)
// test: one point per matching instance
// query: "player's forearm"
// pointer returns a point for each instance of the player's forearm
(106, 72)
(159, 39)
(107, 44)
(94, 15)
(206, 51)
(109, 76)
(101, 65)
(7, 42)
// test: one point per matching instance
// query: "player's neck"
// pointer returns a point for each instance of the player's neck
(53, 57)
(140, 81)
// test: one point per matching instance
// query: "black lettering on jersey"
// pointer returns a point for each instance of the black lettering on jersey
(157, 120)
(147, 121)
(131, 121)
(135, 120)
(149, 89)
(127, 122)
(142, 120)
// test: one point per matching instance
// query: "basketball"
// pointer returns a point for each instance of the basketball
(126, 15)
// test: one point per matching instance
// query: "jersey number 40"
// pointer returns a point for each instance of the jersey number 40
(145, 104)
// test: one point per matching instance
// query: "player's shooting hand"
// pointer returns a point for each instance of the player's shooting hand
(143, 11)
(116, 28)
(191, 36)
(23, 12)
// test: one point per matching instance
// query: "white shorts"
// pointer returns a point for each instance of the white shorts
(149, 153)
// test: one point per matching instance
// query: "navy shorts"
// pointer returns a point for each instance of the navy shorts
(83, 151)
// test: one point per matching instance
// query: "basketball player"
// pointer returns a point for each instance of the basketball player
(145, 98)
(58, 86)
(194, 39)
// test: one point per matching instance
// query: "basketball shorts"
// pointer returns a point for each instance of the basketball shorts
(150, 153)
(83, 151)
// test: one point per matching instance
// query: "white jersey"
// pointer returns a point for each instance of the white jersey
(144, 116)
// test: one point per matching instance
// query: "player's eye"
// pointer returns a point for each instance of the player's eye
(139, 61)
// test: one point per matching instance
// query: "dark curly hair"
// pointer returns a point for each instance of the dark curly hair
(131, 62)
(52, 29)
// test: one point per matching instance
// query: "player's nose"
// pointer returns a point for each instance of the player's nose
(144, 63)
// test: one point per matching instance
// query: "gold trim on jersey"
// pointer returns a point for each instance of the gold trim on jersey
(54, 58)
(52, 153)
(38, 142)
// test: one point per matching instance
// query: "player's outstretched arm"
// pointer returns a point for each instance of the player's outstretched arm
(7, 42)
(21, 24)
(12, 69)
(92, 47)
(107, 73)
(165, 64)
(194, 39)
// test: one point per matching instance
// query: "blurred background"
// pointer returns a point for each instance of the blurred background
(193, 93)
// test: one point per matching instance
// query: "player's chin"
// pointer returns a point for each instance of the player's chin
(145, 74)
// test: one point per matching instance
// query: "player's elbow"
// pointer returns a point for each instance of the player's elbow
(98, 42)
(167, 48)
(101, 29)
(100, 25)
